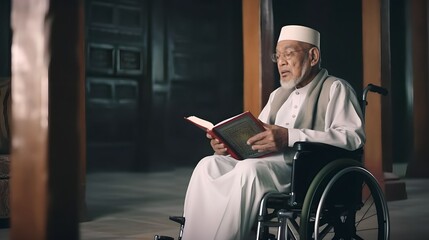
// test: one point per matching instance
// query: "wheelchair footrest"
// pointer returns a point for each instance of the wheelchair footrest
(286, 214)
(180, 220)
(271, 237)
(271, 224)
(157, 237)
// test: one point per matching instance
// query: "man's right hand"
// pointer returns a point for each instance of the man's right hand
(217, 146)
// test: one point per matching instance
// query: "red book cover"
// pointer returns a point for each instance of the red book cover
(234, 133)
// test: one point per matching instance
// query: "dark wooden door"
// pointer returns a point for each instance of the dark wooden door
(116, 81)
(151, 63)
(201, 47)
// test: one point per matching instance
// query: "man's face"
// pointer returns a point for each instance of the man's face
(292, 62)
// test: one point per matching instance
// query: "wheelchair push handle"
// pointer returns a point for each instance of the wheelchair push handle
(373, 88)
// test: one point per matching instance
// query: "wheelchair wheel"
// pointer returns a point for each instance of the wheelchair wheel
(344, 201)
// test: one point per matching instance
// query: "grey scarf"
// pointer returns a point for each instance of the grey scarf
(313, 110)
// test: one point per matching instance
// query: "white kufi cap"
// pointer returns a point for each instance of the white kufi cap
(300, 33)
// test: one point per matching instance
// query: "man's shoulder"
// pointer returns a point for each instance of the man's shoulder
(331, 80)
(338, 82)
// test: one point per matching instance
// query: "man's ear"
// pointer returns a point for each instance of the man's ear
(314, 56)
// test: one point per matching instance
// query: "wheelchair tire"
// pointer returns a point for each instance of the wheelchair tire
(362, 214)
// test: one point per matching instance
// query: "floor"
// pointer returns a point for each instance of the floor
(137, 205)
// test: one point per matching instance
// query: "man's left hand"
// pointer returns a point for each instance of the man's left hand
(273, 139)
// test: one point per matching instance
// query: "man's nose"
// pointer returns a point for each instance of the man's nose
(281, 61)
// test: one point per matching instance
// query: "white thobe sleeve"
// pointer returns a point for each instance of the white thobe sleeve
(343, 121)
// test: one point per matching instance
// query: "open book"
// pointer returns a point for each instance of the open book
(234, 133)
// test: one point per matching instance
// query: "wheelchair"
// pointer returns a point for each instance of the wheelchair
(332, 196)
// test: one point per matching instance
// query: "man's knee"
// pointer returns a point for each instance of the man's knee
(206, 159)
(251, 169)
(210, 162)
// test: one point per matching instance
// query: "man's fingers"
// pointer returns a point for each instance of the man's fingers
(260, 142)
(256, 138)
(269, 146)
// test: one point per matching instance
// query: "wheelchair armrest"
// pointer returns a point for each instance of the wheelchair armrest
(327, 150)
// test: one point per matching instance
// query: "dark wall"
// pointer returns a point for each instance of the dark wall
(402, 114)
(5, 38)
(340, 25)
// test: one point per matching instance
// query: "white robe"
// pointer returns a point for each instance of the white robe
(223, 195)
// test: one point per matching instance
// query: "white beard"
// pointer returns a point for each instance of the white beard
(293, 82)
(289, 84)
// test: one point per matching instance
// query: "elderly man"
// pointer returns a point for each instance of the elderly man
(223, 194)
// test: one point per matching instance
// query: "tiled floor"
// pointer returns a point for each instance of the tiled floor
(137, 206)
(134, 206)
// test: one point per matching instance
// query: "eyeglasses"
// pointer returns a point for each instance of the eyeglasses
(286, 55)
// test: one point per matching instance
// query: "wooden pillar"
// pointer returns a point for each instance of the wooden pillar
(378, 125)
(267, 48)
(251, 56)
(371, 27)
(48, 153)
(419, 78)
(257, 46)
